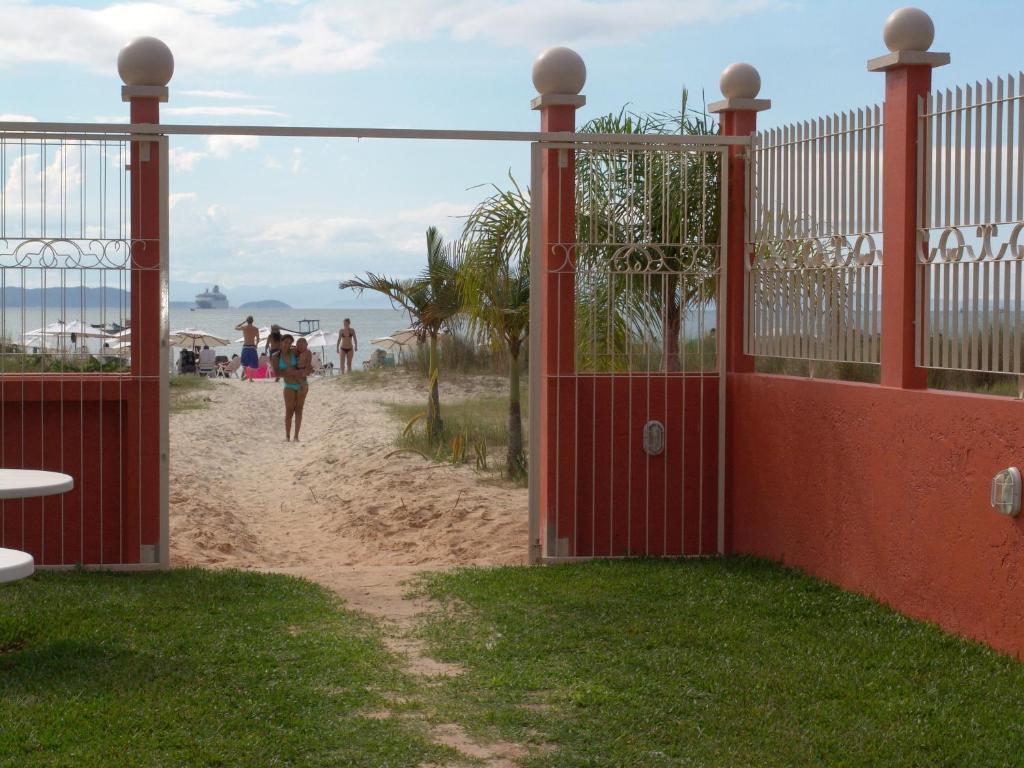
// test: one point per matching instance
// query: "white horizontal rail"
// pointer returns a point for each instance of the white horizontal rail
(162, 129)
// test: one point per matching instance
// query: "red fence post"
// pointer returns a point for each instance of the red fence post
(908, 67)
(558, 75)
(146, 66)
(740, 84)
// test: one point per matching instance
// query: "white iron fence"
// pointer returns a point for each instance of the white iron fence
(971, 228)
(814, 250)
(65, 252)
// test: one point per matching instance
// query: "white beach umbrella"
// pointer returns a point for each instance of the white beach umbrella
(322, 338)
(75, 327)
(195, 337)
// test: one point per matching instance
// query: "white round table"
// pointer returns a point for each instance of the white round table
(24, 484)
(29, 483)
(15, 565)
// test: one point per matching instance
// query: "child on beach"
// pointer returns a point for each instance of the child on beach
(273, 347)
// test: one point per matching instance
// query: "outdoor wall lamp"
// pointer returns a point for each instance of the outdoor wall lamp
(1005, 496)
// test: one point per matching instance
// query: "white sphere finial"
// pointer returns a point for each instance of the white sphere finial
(740, 81)
(145, 61)
(559, 70)
(908, 29)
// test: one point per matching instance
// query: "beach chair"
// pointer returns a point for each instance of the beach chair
(229, 368)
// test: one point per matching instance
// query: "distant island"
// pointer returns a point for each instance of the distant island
(265, 304)
(65, 298)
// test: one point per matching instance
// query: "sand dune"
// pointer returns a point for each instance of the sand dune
(242, 497)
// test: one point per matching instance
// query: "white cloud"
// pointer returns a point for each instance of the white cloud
(223, 146)
(255, 111)
(8, 117)
(110, 119)
(331, 35)
(177, 198)
(220, 147)
(211, 245)
(296, 164)
(216, 94)
(184, 159)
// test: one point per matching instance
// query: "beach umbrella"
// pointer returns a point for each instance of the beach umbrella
(195, 337)
(405, 336)
(75, 327)
(62, 332)
(321, 338)
(384, 342)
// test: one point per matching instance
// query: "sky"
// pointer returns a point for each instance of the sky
(289, 218)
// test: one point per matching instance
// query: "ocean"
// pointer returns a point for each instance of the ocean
(368, 323)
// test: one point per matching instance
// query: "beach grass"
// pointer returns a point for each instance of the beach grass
(481, 420)
(713, 663)
(189, 393)
(194, 668)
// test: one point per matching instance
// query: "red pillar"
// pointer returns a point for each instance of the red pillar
(908, 77)
(556, 321)
(144, 420)
(740, 84)
(736, 122)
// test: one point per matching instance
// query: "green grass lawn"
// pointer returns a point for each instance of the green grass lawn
(731, 662)
(715, 663)
(193, 668)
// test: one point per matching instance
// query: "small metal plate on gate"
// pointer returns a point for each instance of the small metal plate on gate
(1005, 496)
(654, 438)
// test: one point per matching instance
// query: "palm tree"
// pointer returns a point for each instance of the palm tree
(432, 300)
(665, 202)
(496, 291)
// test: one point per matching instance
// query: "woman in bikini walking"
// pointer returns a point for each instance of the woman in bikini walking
(286, 365)
(348, 345)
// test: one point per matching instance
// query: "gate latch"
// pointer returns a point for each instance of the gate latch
(1005, 496)
(654, 438)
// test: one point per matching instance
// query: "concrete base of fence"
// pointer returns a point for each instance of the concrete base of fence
(884, 492)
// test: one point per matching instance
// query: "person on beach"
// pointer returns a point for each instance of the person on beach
(295, 386)
(348, 345)
(272, 347)
(250, 339)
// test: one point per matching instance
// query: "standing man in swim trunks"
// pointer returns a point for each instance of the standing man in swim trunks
(348, 345)
(250, 338)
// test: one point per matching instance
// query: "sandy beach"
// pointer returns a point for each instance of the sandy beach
(240, 496)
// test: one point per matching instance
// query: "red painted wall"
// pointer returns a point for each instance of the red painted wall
(88, 427)
(610, 497)
(884, 492)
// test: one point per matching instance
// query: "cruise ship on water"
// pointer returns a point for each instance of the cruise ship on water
(212, 299)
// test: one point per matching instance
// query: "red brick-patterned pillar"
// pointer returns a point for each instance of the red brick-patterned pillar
(908, 77)
(559, 75)
(740, 84)
(146, 66)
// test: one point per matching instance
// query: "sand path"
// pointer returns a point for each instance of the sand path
(340, 507)
(241, 496)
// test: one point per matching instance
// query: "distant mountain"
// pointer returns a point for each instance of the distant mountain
(264, 304)
(70, 296)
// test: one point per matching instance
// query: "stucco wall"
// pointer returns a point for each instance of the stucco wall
(885, 492)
